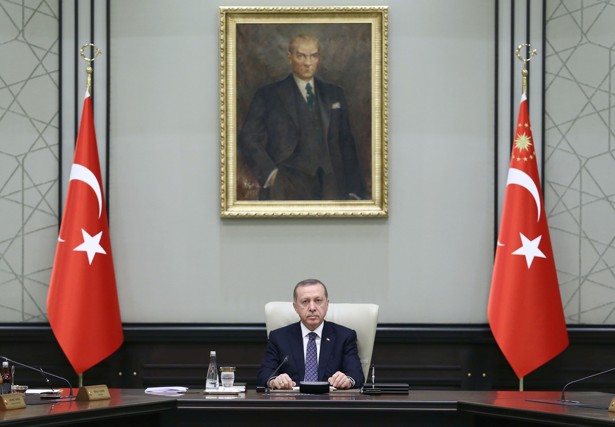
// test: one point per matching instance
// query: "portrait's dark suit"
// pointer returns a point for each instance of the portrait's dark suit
(312, 148)
(338, 352)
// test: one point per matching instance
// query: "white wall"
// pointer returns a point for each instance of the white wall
(177, 261)
(175, 257)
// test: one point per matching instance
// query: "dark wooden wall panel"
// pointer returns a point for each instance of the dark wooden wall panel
(425, 356)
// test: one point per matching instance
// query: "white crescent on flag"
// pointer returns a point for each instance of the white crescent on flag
(518, 177)
(81, 173)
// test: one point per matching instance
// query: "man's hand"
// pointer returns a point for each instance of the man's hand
(282, 381)
(340, 381)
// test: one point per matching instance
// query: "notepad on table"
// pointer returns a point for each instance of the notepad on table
(227, 390)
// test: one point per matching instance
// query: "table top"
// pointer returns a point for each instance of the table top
(584, 408)
(590, 408)
(340, 398)
(122, 403)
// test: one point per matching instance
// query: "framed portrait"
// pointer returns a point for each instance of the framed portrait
(303, 112)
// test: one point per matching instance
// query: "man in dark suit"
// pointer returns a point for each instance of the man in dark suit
(296, 138)
(335, 346)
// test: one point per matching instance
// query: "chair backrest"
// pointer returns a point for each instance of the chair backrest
(363, 318)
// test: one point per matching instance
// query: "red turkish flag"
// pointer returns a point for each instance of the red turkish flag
(82, 304)
(525, 307)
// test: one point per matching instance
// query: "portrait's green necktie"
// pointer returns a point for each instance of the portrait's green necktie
(310, 96)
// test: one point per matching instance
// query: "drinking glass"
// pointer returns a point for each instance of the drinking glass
(227, 376)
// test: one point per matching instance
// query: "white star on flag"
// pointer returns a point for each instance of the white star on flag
(91, 245)
(529, 249)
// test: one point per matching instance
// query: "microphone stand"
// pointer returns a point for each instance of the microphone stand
(276, 371)
(46, 375)
(563, 399)
(565, 402)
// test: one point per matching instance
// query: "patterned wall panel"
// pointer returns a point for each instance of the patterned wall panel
(29, 123)
(580, 154)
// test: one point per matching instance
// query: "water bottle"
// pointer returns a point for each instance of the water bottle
(7, 378)
(212, 373)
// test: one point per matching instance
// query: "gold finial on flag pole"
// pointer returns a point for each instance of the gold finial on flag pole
(530, 52)
(89, 69)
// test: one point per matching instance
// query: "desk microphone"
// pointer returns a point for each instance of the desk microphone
(278, 368)
(373, 376)
(564, 400)
(45, 375)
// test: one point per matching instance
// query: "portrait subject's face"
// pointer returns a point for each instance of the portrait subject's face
(311, 305)
(304, 60)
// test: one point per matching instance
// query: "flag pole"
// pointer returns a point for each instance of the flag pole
(83, 256)
(524, 76)
(89, 70)
(525, 310)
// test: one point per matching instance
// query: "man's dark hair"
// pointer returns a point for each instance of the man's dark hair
(309, 282)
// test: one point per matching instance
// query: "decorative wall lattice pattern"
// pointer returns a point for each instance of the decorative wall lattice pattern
(29, 123)
(580, 155)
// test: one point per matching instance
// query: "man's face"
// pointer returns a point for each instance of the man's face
(311, 305)
(304, 60)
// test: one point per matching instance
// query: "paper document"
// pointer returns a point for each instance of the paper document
(227, 390)
(39, 390)
(167, 391)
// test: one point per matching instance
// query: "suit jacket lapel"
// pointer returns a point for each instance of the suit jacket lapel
(287, 97)
(298, 355)
(326, 346)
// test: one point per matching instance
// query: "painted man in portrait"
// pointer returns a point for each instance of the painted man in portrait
(296, 139)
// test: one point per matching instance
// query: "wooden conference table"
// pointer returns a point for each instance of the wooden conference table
(418, 408)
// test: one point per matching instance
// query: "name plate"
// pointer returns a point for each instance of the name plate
(12, 401)
(93, 392)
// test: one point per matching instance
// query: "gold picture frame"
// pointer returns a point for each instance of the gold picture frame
(266, 167)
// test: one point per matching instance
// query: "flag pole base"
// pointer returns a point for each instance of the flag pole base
(93, 392)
